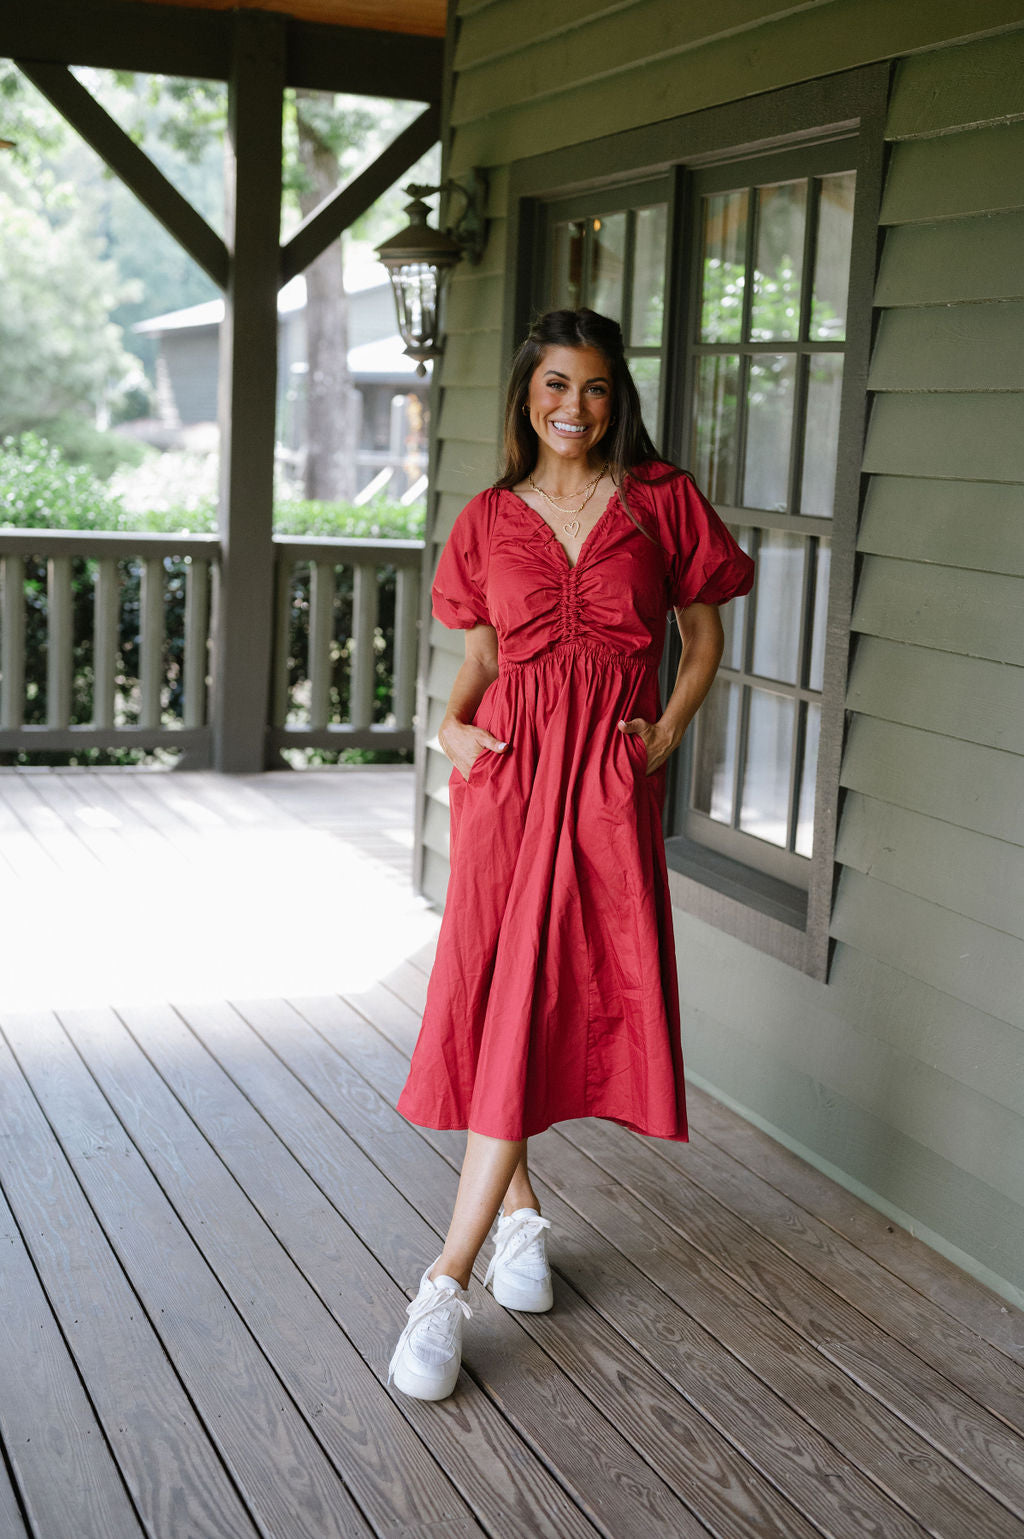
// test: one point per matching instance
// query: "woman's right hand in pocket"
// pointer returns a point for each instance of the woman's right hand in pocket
(463, 743)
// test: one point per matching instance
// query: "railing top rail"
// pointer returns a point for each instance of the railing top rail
(105, 542)
(344, 551)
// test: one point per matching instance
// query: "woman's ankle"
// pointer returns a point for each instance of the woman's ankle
(442, 1268)
(521, 1199)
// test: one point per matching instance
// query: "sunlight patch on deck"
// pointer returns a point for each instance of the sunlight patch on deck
(154, 891)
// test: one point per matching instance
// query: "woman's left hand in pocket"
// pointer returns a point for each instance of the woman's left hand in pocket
(657, 740)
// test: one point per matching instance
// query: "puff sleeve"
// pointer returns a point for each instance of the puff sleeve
(705, 564)
(459, 592)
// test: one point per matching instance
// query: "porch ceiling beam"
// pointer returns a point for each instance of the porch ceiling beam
(132, 165)
(365, 62)
(120, 34)
(343, 207)
(196, 41)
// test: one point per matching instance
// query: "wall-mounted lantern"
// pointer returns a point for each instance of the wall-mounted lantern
(419, 259)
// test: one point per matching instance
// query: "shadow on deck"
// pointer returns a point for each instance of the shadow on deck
(211, 1210)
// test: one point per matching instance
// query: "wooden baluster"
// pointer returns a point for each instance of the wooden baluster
(151, 640)
(403, 689)
(322, 585)
(282, 698)
(12, 643)
(106, 614)
(59, 642)
(197, 615)
(364, 624)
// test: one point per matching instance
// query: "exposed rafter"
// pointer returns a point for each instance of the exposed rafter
(345, 206)
(132, 165)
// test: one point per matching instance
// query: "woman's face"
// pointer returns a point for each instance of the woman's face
(570, 401)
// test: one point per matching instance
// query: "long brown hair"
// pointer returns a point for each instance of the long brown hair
(626, 445)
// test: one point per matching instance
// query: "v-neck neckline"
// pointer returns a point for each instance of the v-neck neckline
(570, 565)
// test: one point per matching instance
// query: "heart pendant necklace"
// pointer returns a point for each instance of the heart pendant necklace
(573, 527)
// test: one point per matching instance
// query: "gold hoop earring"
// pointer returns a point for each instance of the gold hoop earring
(526, 408)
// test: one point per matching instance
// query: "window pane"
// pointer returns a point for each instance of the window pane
(649, 277)
(805, 818)
(821, 439)
(713, 452)
(769, 424)
(734, 614)
(607, 264)
(647, 374)
(815, 676)
(780, 579)
(714, 770)
(723, 259)
(567, 266)
(781, 215)
(765, 806)
(832, 258)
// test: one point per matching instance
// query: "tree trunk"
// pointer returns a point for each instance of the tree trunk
(332, 403)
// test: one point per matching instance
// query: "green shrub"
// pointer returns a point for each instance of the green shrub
(378, 519)
(41, 489)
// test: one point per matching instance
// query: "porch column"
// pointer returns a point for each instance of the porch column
(248, 394)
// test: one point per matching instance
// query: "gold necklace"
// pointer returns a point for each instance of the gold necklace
(573, 513)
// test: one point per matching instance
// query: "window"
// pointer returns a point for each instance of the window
(765, 337)
(733, 265)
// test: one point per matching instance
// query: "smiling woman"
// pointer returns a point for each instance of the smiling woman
(554, 994)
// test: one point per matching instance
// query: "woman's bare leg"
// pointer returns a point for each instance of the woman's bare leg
(488, 1168)
(520, 1192)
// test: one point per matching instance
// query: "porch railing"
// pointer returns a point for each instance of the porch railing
(107, 641)
(341, 583)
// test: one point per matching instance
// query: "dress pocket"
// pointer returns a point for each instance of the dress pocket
(638, 748)
(473, 767)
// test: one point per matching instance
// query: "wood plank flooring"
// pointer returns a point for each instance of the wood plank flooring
(211, 1217)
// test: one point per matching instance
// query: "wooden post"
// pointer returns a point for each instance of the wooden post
(248, 392)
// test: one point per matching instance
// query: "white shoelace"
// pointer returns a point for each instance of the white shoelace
(517, 1238)
(432, 1313)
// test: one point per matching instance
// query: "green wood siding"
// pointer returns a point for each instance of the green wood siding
(959, 259)
(985, 89)
(974, 613)
(961, 697)
(970, 961)
(963, 784)
(981, 172)
(963, 437)
(957, 347)
(902, 1075)
(965, 872)
(974, 524)
(625, 66)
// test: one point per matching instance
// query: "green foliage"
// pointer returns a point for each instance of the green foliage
(60, 352)
(39, 489)
(378, 519)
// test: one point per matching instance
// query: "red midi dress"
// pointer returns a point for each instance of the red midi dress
(553, 994)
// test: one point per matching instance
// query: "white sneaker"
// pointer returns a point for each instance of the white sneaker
(519, 1266)
(429, 1352)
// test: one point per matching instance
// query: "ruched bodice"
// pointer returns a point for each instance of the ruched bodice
(537, 600)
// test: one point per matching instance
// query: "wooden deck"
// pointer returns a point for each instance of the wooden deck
(211, 1215)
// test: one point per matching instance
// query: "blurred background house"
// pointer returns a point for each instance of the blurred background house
(390, 400)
